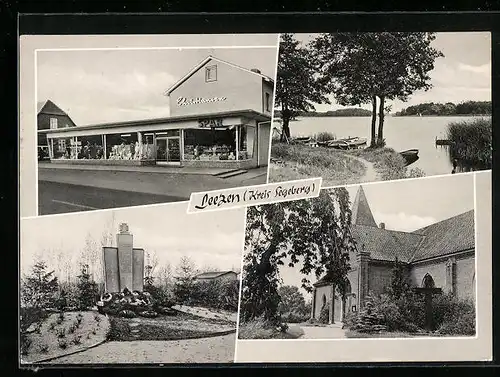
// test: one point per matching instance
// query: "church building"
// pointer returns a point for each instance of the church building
(441, 255)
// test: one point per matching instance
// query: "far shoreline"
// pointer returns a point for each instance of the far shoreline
(389, 115)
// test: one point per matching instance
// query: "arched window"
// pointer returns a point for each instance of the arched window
(428, 281)
(348, 288)
(323, 301)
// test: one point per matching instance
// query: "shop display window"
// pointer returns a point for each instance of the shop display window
(61, 148)
(122, 147)
(210, 144)
(246, 137)
(88, 148)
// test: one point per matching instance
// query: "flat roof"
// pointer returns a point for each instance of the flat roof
(250, 113)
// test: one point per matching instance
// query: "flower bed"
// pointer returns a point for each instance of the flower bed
(59, 335)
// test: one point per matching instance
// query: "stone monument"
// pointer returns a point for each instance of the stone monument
(124, 264)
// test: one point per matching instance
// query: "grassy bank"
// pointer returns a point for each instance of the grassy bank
(388, 163)
(257, 329)
(302, 161)
(471, 142)
(335, 166)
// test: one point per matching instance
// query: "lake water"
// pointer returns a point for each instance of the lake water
(400, 133)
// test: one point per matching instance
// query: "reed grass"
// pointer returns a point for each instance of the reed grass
(471, 142)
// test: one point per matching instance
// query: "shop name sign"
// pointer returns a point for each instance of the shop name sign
(183, 101)
(254, 195)
(210, 123)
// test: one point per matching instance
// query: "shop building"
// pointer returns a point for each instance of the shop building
(220, 116)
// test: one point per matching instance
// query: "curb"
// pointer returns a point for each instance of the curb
(69, 353)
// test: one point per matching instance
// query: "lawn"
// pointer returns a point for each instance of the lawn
(390, 334)
(257, 330)
(179, 326)
(61, 335)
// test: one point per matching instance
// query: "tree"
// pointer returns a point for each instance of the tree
(399, 280)
(313, 231)
(186, 270)
(297, 87)
(362, 67)
(39, 289)
(87, 289)
(292, 300)
(149, 268)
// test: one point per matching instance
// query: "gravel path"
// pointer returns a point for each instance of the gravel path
(323, 332)
(370, 173)
(206, 350)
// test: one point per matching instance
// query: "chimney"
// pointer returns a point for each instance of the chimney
(382, 225)
(256, 70)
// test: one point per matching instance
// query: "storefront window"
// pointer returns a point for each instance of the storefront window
(148, 150)
(246, 142)
(122, 147)
(89, 148)
(61, 147)
(210, 144)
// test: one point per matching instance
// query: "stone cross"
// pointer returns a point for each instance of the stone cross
(428, 292)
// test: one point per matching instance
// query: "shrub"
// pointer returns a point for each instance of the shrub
(77, 339)
(43, 348)
(52, 326)
(79, 321)
(94, 331)
(294, 317)
(61, 333)
(324, 136)
(71, 329)
(257, 328)
(453, 316)
(369, 319)
(30, 316)
(349, 320)
(97, 318)
(324, 315)
(62, 343)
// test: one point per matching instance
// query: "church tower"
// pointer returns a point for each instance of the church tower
(362, 215)
(361, 212)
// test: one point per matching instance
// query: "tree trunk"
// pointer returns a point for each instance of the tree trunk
(374, 120)
(380, 137)
(285, 133)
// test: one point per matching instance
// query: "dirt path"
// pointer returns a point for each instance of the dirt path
(371, 174)
(320, 332)
(206, 350)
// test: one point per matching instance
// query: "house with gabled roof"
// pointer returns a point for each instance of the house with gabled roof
(51, 117)
(220, 117)
(441, 255)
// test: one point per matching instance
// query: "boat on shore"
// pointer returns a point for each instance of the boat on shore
(410, 156)
(346, 143)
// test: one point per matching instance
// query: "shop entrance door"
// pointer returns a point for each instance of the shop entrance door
(168, 150)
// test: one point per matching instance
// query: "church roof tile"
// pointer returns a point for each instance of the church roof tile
(446, 237)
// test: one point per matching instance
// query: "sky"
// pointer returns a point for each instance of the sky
(213, 239)
(111, 85)
(464, 73)
(407, 205)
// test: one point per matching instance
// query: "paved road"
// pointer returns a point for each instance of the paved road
(55, 197)
(206, 350)
(320, 332)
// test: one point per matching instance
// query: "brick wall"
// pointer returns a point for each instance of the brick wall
(465, 267)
